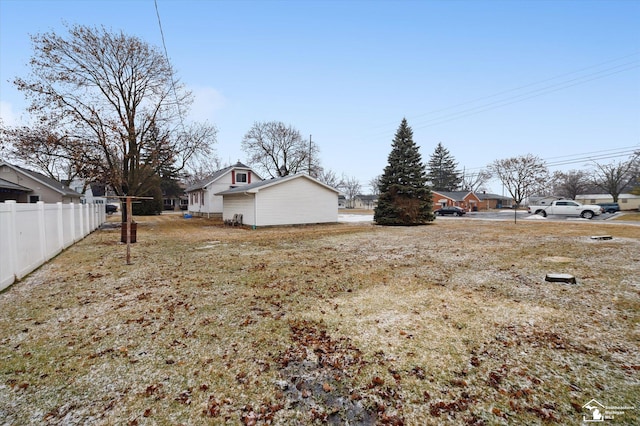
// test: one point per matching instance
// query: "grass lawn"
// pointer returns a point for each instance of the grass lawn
(451, 323)
(629, 216)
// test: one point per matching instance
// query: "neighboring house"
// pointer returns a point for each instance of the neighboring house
(13, 191)
(95, 193)
(27, 186)
(625, 201)
(176, 202)
(493, 201)
(542, 200)
(202, 197)
(465, 199)
(342, 201)
(289, 200)
(361, 201)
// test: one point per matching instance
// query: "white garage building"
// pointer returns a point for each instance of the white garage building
(289, 200)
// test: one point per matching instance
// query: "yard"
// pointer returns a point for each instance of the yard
(447, 323)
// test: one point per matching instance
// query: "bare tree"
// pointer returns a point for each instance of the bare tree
(635, 184)
(115, 104)
(201, 171)
(374, 183)
(329, 177)
(475, 181)
(522, 176)
(42, 149)
(279, 150)
(615, 177)
(351, 187)
(570, 184)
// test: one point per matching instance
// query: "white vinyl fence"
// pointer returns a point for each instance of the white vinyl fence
(31, 234)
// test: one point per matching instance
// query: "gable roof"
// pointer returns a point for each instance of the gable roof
(453, 195)
(5, 184)
(254, 188)
(217, 175)
(484, 196)
(45, 180)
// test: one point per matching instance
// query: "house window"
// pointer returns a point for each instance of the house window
(624, 200)
(34, 198)
(241, 177)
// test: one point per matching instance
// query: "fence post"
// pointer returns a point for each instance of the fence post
(60, 226)
(88, 221)
(13, 238)
(72, 221)
(92, 216)
(42, 231)
(81, 222)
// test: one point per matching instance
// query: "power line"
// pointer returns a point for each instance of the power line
(515, 99)
(632, 147)
(605, 154)
(535, 83)
(173, 82)
(499, 103)
(590, 158)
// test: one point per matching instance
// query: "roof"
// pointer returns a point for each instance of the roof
(454, 195)
(257, 186)
(215, 176)
(370, 197)
(98, 189)
(484, 196)
(45, 180)
(625, 195)
(5, 184)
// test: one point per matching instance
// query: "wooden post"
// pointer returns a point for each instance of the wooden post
(129, 213)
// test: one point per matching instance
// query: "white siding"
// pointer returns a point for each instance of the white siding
(626, 201)
(296, 201)
(239, 203)
(213, 204)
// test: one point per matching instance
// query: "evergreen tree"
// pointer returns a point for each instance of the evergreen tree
(442, 170)
(405, 198)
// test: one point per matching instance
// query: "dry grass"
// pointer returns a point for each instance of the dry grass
(448, 323)
(629, 216)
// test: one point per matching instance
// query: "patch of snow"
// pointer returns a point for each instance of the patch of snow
(355, 218)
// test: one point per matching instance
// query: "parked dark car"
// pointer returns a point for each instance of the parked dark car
(452, 210)
(110, 208)
(610, 207)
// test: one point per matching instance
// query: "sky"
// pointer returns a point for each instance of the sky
(489, 79)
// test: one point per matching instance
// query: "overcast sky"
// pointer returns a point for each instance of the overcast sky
(487, 79)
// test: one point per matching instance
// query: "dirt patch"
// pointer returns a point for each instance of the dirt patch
(558, 259)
